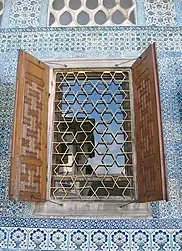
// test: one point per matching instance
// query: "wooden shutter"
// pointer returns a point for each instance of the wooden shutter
(148, 129)
(29, 142)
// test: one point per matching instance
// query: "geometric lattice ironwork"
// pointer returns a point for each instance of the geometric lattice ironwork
(92, 148)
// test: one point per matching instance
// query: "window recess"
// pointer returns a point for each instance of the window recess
(75, 144)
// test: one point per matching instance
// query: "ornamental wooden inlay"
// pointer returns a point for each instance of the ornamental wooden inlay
(29, 146)
(145, 117)
(148, 130)
(32, 125)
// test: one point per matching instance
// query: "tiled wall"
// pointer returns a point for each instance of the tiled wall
(89, 239)
(17, 229)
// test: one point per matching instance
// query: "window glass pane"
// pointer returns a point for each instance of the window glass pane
(75, 4)
(83, 18)
(109, 4)
(132, 17)
(92, 4)
(58, 4)
(126, 4)
(51, 19)
(118, 17)
(100, 17)
(65, 18)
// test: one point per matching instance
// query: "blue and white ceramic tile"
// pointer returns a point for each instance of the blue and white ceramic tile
(160, 13)
(17, 238)
(178, 7)
(58, 239)
(38, 239)
(88, 240)
(78, 240)
(24, 13)
(18, 229)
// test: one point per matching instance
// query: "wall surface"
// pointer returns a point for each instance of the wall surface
(23, 26)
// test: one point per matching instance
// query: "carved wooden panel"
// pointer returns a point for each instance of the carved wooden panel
(29, 146)
(148, 129)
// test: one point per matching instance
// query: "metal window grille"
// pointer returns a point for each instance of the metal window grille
(92, 146)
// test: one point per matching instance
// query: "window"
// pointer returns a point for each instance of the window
(92, 141)
(29, 147)
(91, 12)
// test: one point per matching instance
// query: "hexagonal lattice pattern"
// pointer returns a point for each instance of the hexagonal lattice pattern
(91, 12)
(92, 151)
